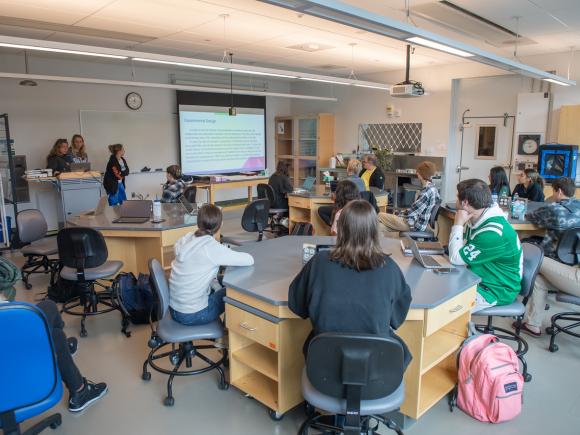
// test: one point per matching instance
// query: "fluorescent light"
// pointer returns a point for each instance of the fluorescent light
(261, 73)
(556, 82)
(60, 50)
(189, 65)
(323, 81)
(438, 46)
(372, 86)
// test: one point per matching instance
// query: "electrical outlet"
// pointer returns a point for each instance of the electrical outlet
(133, 195)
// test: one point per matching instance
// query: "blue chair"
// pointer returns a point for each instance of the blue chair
(29, 386)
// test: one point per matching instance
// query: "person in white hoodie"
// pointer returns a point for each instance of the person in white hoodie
(195, 296)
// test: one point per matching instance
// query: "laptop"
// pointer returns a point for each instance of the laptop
(99, 209)
(427, 261)
(80, 167)
(428, 248)
(134, 211)
(307, 185)
(190, 209)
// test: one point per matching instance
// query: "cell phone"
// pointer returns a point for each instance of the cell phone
(444, 270)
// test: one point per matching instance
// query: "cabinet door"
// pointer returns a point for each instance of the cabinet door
(569, 129)
(307, 137)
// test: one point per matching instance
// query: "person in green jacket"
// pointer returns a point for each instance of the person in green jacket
(482, 239)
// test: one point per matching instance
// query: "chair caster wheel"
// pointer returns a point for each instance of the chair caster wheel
(146, 376)
(169, 401)
(275, 416)
(55, 425)
(83, 333)
(27, 286)
(549, 330)
(153, 343)
(224, 386)
(527, 377)
(309, 410)
(553, 348)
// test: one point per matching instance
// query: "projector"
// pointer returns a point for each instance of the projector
(232, 111)
(407, 90)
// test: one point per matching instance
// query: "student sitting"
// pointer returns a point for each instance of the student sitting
(57, 158)
(489, 246)
(531, 186)
(498, 181)
(557, 217)
(415, 218)
(280, 182)
(372, 175)
(174, 186)
(195, 296)
(354, 168)
(354, 287)
(77, 152)
(82, 392)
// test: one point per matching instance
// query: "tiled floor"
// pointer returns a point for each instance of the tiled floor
(132, 406)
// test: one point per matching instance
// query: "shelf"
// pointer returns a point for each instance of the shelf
(439, 346)
(305, 157)
(435, 385)
(285, 156)
(259, 358)
(260, 387)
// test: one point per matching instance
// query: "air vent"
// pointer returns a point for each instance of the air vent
(310, 47)
(457, 19)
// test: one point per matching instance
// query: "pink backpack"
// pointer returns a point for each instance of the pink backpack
(490, 386)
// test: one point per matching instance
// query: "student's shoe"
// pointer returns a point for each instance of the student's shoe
(525, 329)
(73, 345)
(90, 393)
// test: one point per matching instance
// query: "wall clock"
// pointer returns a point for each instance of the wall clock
(133, 100)
(529, 144)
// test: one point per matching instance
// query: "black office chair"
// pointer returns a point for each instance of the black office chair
(254, 220)
(190, 194)
(357, 376)
(533, 256)
(265, 191)
(32, 230)
(429, 234)
(325, 214)
(83, 254)
(568, 252)
(369, 196)
(170, 333)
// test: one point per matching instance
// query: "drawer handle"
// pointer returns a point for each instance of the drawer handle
(245, 326)
(456, 309)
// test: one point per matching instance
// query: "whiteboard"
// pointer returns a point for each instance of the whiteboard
(150, 139)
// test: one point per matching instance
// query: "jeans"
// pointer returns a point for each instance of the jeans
(69, 372)
(215, 308)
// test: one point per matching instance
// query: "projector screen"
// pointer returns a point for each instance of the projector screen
(212, 142)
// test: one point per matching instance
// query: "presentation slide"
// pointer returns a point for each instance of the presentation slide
(212, 142)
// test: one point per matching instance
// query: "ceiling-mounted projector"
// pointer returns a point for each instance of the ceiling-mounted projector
(408, 88)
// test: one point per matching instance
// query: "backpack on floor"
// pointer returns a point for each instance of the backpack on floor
(136, 297)
(302, 229)
(62, 290)
(490, 385)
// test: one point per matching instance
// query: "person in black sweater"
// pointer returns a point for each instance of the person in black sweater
(372, 174)
(355, 287)
(280, 182)
(531, 186)
(57, 158)
(117, 170)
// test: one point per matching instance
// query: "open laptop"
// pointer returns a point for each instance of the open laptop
(134, 211)
(307, 185)
(190, 209)
(99, 209)
(427, 261)
(80, 167)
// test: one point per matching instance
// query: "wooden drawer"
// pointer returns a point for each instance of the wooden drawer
(448, 311)
(296, 201)
(253, 327)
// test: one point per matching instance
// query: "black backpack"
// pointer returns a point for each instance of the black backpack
(136, 297)
(61, 290)
(302, 229)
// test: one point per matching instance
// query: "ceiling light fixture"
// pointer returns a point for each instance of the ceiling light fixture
(59, 50)
(334, 82)
(189, 65)
(386, 88)
(437, 46)
(261, 73)
(557, 82)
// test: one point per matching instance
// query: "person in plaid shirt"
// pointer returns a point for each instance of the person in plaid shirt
(416, 218)
(175, 186)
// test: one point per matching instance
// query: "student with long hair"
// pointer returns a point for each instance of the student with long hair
(346, 191)
(531, 186)
(174, 186)
(114, 179)
(195, 296)
(280, 182)
(57, 160)
(498, 181)
(355, 287)
(77, 152)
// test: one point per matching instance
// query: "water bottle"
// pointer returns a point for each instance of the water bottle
(514, 208)
(494, 197)
(156, 209)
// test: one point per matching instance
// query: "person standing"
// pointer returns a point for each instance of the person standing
(77, 152)
(372, 174)
(57, 158)
(531, 186)
(115, 173)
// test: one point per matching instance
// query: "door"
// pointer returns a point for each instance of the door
(486, 141)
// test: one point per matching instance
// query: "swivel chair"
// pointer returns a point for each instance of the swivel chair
(357, 376)
(171, 333)
(30, 379)
(83, 254)
(254, 220)
(568, 252)
(533, 256)
(265, 191)
(429, 234)
(190, 194)
(32, 230)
